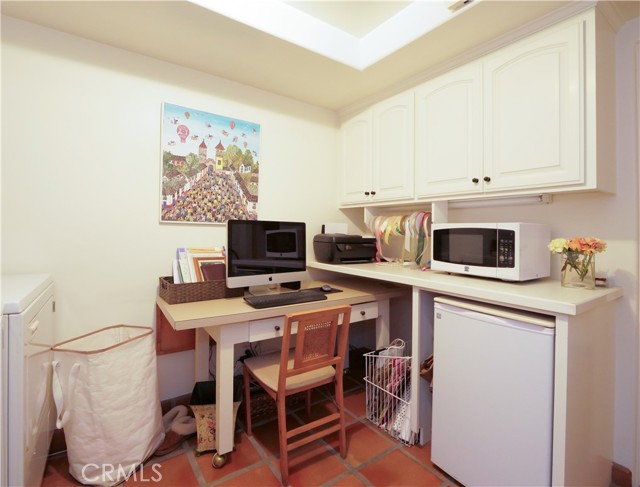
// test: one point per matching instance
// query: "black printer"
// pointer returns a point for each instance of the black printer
(337, 248)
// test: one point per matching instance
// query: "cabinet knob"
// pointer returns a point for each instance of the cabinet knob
(475, 180)
(373, 193)
(366, 193)
(362, 313)
(487, 179)
(276, 328)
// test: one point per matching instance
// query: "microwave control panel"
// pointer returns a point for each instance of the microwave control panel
(506, 246)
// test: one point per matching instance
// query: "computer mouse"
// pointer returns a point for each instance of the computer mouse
(326, 288)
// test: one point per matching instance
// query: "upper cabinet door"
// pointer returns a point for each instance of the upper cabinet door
(355, 177)
(533, 92)
(393, 134)
(449, 133)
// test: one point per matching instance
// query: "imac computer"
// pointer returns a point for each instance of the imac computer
(262, 254)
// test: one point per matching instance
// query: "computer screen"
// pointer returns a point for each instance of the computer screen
(260, 252)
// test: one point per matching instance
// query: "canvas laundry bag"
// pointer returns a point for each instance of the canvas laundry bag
(105, 388)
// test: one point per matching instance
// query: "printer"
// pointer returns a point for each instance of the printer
(338, 248)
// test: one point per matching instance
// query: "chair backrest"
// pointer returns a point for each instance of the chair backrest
(315, 342)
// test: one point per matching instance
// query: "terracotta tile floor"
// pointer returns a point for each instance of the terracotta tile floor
(373, 459)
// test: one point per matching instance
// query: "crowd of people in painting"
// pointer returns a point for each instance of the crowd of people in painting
(213, 199)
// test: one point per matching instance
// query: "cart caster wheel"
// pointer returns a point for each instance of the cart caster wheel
(218, 461)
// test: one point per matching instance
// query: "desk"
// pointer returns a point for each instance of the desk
(231, 321)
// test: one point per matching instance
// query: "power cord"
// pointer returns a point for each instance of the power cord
(238, 370)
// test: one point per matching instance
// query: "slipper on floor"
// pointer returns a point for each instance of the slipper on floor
(173, 414)
(180, 429)
(172, 441)
(184, 426)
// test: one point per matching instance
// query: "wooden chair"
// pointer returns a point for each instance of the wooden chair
(314, 361)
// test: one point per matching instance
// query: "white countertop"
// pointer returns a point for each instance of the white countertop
(541, 295)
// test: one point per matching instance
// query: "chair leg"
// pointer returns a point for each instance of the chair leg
(282, 436)
(343, 425)
(247, 401)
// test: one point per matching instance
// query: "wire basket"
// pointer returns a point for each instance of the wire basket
(388, 394)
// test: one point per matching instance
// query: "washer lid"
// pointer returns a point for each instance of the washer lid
(20, 290)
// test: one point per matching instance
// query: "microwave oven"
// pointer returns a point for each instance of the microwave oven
(507, 251)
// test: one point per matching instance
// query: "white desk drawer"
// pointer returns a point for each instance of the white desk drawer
(274, 327)
(267, 328)
(364, 311)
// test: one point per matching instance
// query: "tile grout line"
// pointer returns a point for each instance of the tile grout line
(237, 473)
(195, 467)
(266, 458)
(351, 469)
(427, 467)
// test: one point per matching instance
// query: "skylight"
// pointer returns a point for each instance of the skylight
(290, 24)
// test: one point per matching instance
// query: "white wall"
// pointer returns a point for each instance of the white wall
(613, 218)
(81, 165)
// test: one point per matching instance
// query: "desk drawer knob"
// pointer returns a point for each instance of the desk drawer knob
(276, 328)
(362, 313)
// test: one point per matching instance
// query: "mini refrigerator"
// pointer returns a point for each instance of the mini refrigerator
(493, 371)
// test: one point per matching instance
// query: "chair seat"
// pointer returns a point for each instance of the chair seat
(266, 368)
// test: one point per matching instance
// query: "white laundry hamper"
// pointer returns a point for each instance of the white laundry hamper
(105, 388)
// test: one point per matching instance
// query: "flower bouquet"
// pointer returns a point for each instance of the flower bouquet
(578, 260)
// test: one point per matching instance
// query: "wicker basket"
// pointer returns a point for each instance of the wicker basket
(195, 291)
(262, 405)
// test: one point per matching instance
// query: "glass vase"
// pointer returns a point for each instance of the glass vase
(578, 270)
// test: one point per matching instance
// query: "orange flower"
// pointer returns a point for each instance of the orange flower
(588, 245)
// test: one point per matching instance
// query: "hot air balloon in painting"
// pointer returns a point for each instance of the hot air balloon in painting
(232, 124)
(183, 133)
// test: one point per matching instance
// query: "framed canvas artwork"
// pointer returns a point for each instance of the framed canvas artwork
(210, 167)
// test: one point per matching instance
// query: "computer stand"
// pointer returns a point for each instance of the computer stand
(270, 289)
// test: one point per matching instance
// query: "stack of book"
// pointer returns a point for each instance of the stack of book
(199, 265)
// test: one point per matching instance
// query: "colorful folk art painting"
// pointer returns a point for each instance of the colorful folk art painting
(210, 167)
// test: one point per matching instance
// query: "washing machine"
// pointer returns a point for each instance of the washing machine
(27, 408)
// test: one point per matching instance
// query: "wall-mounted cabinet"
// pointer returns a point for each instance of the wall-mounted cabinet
(448, 157)
(533, 98)
(533, 116)
(377, 153)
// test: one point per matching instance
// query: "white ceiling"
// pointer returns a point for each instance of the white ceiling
(354, 17)
(333, 54)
